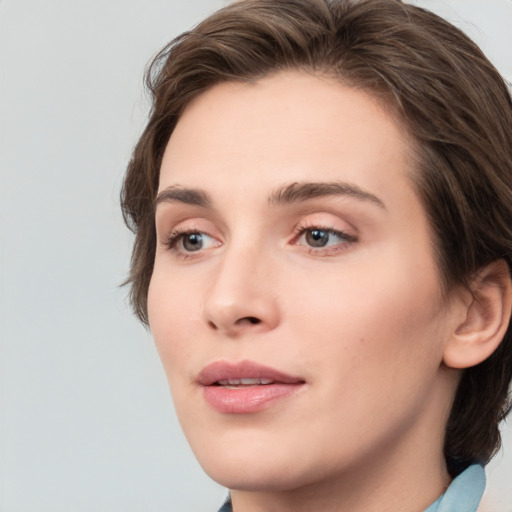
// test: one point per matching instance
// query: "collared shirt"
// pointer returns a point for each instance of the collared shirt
(463, 495)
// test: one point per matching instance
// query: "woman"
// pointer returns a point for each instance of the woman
(322, 207)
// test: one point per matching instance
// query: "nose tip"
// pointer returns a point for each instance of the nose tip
(232, 320)
(234, 306)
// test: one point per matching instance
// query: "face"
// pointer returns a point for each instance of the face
(295, 302)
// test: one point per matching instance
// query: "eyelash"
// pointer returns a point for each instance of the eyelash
(174, 236)
(302, 229)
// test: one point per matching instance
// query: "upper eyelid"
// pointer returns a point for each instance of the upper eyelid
(320, 219)
(334, 222)
(168, 222)
(170, 216)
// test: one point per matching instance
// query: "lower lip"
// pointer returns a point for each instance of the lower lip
(247, 400)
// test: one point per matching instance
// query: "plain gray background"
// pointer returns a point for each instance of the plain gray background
(86, 421)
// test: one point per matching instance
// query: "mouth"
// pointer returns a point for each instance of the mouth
(242, 383)
(245, 387)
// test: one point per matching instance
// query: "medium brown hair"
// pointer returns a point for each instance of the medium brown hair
(446, 94)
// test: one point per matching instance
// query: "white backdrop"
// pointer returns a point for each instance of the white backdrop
(86, 421)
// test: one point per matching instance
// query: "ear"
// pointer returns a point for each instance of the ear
(486, 318)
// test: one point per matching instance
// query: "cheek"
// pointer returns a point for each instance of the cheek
(171, 318)
(372, 316)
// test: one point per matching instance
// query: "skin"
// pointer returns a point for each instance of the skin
(362, 320)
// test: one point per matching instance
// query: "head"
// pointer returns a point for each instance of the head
(440, 92)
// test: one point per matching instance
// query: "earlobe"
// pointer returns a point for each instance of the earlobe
(486, 319)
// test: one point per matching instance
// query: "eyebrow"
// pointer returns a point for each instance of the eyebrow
(179, 194)
(297, 192)
(287, 194)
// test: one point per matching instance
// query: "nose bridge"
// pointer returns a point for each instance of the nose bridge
(240, 296)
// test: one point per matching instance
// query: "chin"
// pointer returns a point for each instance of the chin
(264, 466)
(259, 477)
(250, 462)
(250, 470)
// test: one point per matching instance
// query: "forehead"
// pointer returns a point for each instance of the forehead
(288, 127)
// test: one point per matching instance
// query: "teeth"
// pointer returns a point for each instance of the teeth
(244, 382)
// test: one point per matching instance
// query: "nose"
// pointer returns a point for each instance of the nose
(241, 297)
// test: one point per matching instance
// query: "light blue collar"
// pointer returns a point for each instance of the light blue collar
(464, 493)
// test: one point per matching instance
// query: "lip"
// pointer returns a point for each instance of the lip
(245, 399)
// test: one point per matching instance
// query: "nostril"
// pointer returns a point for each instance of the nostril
(250, 319)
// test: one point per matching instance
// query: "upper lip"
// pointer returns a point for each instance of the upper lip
(224, 370)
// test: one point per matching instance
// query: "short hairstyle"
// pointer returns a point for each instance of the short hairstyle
(442, 90)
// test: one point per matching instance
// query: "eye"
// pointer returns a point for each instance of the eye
(190, 241)
(319, 237)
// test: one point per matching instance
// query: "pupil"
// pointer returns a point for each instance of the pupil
(193, 242)
(317, 238)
